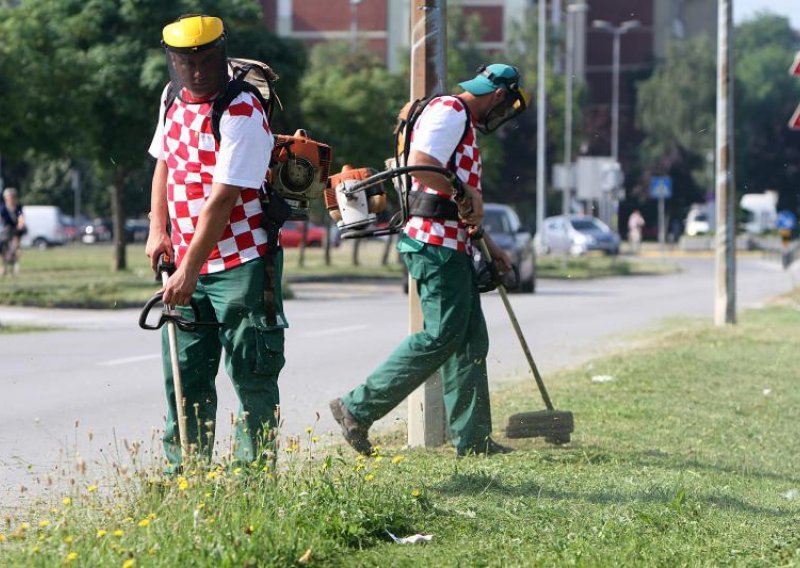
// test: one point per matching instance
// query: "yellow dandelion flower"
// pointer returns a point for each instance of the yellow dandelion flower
(152, 516)
(24, 526)
(398, 459)
(309, 429)
(91, 488)
(416, 493)
(207, 494)
(378, 458)
(183, 484)
(101, 533)
(237, 471)
(2, 537)
(128, 519)
(200, 505)
(35, 549)
(71, 557)
(359, 466)
(129, 563)
(314, 439)
(212, 475)
(117, 533)
(66, 501)
(44, 523)
(144, 523)
(369, 477)
(152, 552)
(54, 511)
(68, 540)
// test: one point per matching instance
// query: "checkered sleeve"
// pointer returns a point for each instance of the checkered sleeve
(439, 129)
(245, 144)
(157, 144)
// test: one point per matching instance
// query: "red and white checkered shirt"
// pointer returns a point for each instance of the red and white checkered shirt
(195, 160)
(438, 133)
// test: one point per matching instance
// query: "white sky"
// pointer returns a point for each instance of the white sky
(745, 9)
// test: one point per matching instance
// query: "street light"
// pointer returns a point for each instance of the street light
(617, 31)
(570, 72)
(354, 24)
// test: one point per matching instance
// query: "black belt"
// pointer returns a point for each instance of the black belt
(422, 204)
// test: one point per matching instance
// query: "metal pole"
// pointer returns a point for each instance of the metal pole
(568, 71)
(661, 233)
(725, 300)
(541, 117)
(615, 99)
(426, 422)
(354, 24)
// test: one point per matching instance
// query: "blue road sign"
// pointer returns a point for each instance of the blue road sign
(786, 220)
(661, 187)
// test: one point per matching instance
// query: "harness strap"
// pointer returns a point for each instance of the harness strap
(269, 288)
(422, 204)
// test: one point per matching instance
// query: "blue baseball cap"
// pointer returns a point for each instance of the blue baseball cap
(492, 77)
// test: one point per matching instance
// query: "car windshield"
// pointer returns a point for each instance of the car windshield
(586, 225)
(498, 221)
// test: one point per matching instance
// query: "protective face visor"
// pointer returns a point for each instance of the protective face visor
(513, 104)
(196, 57)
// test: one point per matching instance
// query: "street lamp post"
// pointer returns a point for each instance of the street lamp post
(354, 24)
(570, 72)
(617, 32)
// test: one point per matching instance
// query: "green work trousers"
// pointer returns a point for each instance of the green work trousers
(454, 340)
(253, 360)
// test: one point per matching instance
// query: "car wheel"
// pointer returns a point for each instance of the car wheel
(40, 243)
(528, 286)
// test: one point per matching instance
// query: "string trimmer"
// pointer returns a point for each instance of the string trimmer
(553, 425)
(174, 320)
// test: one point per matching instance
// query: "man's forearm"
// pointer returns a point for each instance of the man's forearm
(159, 213)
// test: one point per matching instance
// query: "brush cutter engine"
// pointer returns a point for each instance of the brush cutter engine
(299, 170)
(355, 198)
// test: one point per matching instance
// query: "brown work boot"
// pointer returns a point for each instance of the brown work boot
(489, 448)
(353, 431)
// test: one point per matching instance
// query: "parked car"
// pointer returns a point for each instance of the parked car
(576, 235)
(503, 225)
(292, 235)
(98, 231)
(137, 230)
(697, 223)
(46, 224)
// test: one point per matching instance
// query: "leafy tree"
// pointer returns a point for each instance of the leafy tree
(767, 152)
(92, 75)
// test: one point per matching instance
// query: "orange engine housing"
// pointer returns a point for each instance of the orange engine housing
(376, 196)
(300, 166)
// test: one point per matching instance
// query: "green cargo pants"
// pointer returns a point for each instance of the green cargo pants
(454, 339)
(253, 360)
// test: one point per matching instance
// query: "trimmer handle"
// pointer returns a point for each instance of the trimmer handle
(174, 316)
(164, 264)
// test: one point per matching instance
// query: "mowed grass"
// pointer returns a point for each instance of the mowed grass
(78, 276)
(687, 457)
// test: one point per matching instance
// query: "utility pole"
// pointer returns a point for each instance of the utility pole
(570, 77)
(354, 24)
(725, 253)
(426, 423)
(541, 118)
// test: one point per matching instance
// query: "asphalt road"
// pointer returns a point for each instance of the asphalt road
(87, 389)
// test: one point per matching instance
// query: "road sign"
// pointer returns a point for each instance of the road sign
(786, 220)
(794, 122)
(661, 187)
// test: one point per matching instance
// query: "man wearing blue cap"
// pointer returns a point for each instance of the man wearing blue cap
(436, 248)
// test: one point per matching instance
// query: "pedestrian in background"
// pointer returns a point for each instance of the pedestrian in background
(12, 228)
(635, 226)
(437, 252)
(208, 191)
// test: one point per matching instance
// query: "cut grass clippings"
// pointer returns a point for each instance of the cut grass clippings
(687, 457)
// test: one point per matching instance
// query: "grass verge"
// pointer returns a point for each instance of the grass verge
(687, 456)
(81, 276)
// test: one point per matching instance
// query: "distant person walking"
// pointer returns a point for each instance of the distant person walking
(635, 226)
(12, 227)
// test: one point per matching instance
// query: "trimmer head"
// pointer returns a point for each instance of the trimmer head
(555, 426)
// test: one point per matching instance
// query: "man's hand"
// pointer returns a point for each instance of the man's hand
(470, 207)
(158, 243)
(180, 287)
(499, 256)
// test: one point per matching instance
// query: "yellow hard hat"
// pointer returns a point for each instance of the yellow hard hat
(193, 33)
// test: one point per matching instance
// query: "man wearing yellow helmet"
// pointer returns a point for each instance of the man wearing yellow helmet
(207, 189)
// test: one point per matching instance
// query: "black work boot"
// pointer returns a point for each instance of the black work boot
(353, 431)
(489, 448)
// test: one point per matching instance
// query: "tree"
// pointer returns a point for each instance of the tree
(92, 77)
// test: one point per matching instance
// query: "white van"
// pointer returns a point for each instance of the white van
(46, 227)
(760, 211)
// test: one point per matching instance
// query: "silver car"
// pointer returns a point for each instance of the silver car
(576, 235)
